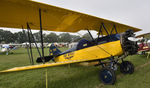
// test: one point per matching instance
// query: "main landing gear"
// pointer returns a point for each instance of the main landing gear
(126, 67)
(107, 73)
(107, 76)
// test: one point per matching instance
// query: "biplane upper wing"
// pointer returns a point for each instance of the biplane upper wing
(16, 13)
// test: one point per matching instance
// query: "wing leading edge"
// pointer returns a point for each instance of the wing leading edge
(53, 18)
(15, 69)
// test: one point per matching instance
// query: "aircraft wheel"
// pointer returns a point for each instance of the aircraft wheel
(126, 67)
(107, 76)
(143, 52)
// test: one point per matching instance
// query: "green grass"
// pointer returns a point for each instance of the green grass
(73, 76)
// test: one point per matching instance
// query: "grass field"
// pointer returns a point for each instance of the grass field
(73, 76)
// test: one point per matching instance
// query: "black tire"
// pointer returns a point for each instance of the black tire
(107, 76)
(143, 52)
(126, 67)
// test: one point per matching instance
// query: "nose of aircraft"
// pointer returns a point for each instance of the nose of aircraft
(129, 43)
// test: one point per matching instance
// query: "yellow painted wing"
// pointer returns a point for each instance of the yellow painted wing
(42, 66)
(16, 13)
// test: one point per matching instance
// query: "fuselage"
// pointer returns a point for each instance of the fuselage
(104, 47)
(95, 52)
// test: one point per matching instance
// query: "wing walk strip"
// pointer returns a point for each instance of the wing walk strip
(41, 66)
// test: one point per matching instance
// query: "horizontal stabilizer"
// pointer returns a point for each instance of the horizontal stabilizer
(45, 59)
(53, 50)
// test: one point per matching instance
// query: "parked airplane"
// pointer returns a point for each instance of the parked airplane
(6, 48)
(112, 43)
(144, 44)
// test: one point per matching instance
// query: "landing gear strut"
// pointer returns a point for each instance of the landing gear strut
(107, 76)
(107, 73)
(126, 67)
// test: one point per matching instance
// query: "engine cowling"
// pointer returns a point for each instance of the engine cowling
(129, 47)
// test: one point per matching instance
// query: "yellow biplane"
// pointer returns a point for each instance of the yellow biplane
(112, 42)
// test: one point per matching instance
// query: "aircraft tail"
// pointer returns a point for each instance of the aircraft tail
(53, 50)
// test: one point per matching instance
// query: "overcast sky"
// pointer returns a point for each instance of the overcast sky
(131, 12)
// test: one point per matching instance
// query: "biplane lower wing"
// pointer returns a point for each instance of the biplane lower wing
(87, 54)
(42, 65)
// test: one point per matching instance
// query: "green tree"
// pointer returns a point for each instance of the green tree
(65, 37)
(37, 37)
(87, 36)
(75, 38)
(1, 36)
(51, 38)
(19, 37)
(6, 36)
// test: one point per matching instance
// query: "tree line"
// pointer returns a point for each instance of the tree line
(21, 37)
